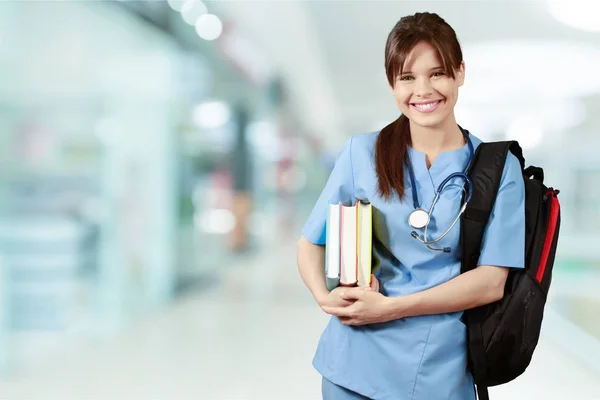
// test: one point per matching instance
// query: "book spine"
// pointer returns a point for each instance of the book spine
(327, 239)
(340, 242)
(356, 205)
(341, 238)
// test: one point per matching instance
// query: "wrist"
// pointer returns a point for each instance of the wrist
(321, 297)
(398, 307)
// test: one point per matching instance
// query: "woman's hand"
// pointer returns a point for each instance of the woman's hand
(368, 307)
(334, 298)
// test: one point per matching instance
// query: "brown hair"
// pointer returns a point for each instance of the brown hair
(392, 144)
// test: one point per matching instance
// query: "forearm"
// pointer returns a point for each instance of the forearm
(478, 287)
(311, 266)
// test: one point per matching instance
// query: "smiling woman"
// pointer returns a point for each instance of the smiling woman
(403, 338)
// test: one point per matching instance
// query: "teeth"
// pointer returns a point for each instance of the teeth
(426, 106)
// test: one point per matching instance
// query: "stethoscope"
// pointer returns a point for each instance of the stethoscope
(419, 218)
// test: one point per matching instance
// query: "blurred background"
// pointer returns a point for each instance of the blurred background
(159, 158)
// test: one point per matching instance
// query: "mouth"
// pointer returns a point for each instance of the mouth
(426, 107)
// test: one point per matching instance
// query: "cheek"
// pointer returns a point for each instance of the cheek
(448, 90)
(401, 98)
(401, 104)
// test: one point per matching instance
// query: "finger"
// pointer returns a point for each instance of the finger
(353, 322)
(344, 303)
(338, 311)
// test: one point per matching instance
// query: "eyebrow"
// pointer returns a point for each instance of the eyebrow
(430, 69)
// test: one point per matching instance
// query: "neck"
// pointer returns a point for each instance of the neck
(433, 140)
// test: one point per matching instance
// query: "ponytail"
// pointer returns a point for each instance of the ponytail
(391, 152)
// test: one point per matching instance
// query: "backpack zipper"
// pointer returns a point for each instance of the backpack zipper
(554, 211)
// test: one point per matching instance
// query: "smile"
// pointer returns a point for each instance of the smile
(426, 107)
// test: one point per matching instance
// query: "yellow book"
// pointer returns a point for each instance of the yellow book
(364, 241)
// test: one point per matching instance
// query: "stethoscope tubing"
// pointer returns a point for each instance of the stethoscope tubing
(468, 190)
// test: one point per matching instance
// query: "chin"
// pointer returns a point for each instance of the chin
(429, 121)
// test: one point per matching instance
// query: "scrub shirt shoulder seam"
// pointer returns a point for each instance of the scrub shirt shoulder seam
(412, 395)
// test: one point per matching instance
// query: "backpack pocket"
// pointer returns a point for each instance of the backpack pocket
(512, 343)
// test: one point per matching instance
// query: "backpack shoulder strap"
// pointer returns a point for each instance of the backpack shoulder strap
(485, 173)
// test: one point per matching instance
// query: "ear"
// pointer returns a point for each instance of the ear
(460, 74)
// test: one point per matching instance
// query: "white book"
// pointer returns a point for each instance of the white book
(349, 261)
(332, 246)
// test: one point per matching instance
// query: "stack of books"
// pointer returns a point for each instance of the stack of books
(348, 245)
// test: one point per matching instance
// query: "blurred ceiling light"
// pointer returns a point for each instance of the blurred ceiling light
(191, 10)
(262, 133)
(262, 136)
(218, 221)
(213, 114)
(578, 14)
(209, 27)
(527, 131)
(176, 5)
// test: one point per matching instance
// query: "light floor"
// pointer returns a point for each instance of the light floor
(250, 336)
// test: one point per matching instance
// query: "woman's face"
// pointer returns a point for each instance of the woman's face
(424, 93)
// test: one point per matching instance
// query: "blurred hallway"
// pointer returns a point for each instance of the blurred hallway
(152, 151)
(251, 335)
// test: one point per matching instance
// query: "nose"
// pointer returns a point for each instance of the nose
(423, 87)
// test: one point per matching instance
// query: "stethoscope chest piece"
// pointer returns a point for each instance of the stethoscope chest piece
(418, 219)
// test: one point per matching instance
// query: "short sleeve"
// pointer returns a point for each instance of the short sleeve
(339, 188)
(504, 238)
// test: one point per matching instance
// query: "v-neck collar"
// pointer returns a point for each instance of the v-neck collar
(441, 166)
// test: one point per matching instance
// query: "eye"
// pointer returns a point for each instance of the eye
(439, 73)
(406, 78)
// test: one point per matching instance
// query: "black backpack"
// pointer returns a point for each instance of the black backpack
(502, 336)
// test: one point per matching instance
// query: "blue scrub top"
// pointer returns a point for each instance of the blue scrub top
(422, 357)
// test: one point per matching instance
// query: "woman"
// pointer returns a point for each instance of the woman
(403, 338)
